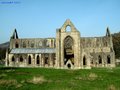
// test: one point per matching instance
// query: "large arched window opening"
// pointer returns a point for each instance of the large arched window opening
(29, 60)
(13, 59)
(84, 60)
(68, 50)
(99, 59)
(68, 42)
(21, 59)
(108, 59)
(38, 60)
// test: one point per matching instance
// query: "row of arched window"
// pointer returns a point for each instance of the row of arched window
(21, 59)
(37, 60)
(29, 59)
(99, 60)
(40, 44)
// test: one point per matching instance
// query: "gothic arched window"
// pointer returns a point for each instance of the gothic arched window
(38, 60)
(46, 58)
(16, 45)
(68, 42)
(21, 59)
(108, 59)
(84, 60)
(29, 59)
(13, 59)
(99, 59)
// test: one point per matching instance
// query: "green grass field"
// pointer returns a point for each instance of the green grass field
(57, 79)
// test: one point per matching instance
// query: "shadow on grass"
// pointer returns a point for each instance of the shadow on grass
(8, 68)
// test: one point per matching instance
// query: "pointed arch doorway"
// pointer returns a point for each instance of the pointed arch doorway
(68, 52)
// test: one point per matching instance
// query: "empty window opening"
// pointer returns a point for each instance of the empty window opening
(21, 59)
(108, 60)
(13, 59)
(16, 45)
(29, 60)
(100, 59)
(38, 59)
(84, 60)
(68, 29)
(46, 60)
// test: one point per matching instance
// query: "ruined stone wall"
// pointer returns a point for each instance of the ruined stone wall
(98, 51)
(72, 50)
(37, 60)
(31, 60)
(33, 43)
(63, 59)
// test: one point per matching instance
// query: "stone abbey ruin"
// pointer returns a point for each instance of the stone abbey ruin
(67, 50)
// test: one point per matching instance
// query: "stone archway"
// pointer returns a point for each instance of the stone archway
(68, 50)
(29, 60)
(84, 61)
(38, 60)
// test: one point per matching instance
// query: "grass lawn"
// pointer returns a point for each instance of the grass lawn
(57, 79)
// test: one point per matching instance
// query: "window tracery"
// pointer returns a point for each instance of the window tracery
(68, 42)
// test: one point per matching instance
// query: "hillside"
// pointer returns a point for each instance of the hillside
(4, 45)
(3, 48)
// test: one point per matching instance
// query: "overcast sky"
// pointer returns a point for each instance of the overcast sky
(41, 18)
